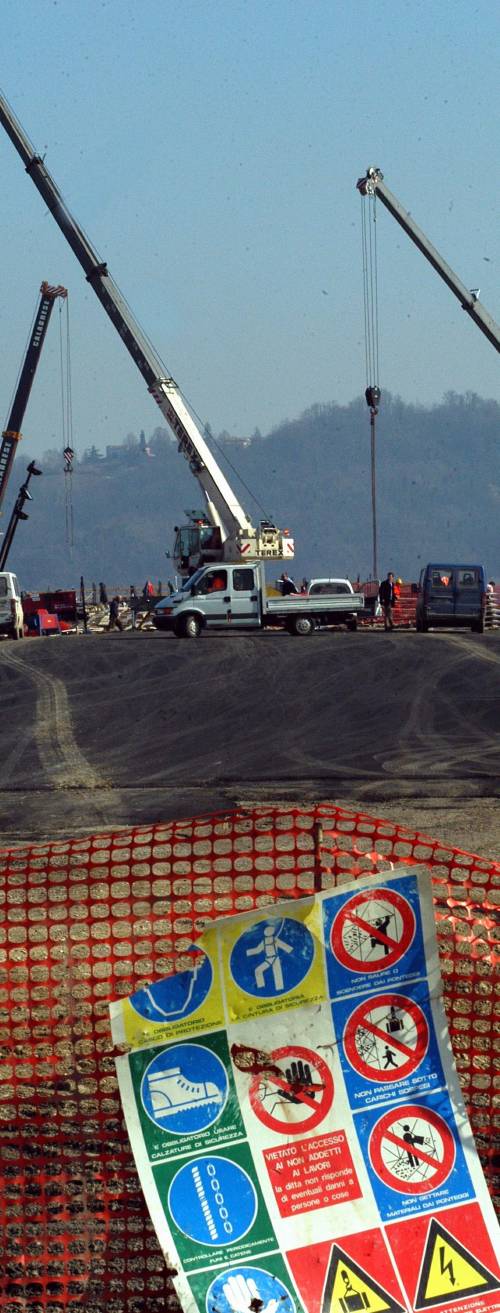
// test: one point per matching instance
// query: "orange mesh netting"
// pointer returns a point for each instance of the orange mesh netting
(89, 920)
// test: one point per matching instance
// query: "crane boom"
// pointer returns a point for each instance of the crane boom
(372, 184)
(12, 431)
(239, 535)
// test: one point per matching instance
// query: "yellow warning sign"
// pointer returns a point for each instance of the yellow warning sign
(350, 1290)
(449, 1270)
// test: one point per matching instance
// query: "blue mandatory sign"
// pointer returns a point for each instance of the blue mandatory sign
(184, 1089)
(246, 1288)
(272, 957)
(177, 996)
(213, 1201)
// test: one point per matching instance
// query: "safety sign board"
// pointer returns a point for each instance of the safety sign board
(184, 1003)
(312, 1174)
(354, 1274)
(375, 932)
(214, 1207)
(181, 1097)
(176, 997)
(273, 961)
(294, 1092)
(266, 1286)
(413, 1150)
(388, 1040)
(247, 1288)
(184, 1089)
(349, 1289)
(272, 957)
(292, 1107)
(447, 1259)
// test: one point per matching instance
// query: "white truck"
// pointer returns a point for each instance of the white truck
(231, 596)
(11, 607)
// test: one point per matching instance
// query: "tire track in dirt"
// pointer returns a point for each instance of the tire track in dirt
(61, 758)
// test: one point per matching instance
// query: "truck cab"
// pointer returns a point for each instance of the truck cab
(451, 596)
(211, 598)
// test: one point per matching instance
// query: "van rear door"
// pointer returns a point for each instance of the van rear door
(468, 589)
(439, 593)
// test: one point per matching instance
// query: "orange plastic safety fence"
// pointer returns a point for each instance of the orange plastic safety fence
(91, 919)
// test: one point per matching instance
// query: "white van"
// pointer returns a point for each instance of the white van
(11, 607)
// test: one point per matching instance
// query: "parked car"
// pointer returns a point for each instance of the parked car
(453, 596)
(11, 607)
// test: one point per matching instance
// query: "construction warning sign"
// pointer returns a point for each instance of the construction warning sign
(446, 1260)
(296, 1117)
(388, 1045)
(294, 1093)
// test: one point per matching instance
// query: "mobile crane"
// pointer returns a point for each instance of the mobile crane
(223, 531)
(372, 184)
(12, 431)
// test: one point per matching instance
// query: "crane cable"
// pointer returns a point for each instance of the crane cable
(370, 288)
(67, 423)
(372, 362)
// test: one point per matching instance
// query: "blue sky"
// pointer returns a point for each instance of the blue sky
(210, 148)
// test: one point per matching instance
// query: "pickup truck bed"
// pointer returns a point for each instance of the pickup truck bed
(323, 611)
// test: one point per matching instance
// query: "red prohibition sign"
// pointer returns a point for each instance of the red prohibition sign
(386, 1037)
(373, 930)
(412, 1149)
(304, 1092)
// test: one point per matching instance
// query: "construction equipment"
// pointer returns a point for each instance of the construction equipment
(234, 535)
(12, 432)
(18, 512)
(372, 184)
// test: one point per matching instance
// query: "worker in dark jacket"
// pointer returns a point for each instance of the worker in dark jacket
(114, 616)
(387, 598)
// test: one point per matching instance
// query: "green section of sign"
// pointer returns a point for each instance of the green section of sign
(215, 1208)
(185, 1095)
(265, 1279)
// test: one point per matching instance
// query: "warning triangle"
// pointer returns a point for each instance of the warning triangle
(348, 1289)
(449, 1271)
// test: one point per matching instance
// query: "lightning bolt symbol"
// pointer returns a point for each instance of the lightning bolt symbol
(446, 1267)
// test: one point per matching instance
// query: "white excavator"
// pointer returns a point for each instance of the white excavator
(222, 531)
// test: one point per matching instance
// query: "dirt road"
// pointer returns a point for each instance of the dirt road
(109, 730)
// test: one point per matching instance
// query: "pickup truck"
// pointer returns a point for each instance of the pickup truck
(235, 597)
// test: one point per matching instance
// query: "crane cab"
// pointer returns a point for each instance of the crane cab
(197, 543)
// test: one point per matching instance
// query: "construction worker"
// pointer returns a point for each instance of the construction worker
(387, 598)
(114, 617)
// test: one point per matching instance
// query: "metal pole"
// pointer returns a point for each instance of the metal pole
(373, 413)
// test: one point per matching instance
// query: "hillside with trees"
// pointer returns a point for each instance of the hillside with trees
(438, 494)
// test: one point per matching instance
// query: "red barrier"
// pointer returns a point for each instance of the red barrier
(92, 919)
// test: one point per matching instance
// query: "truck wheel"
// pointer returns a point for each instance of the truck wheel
(352, 624)
(302, 625)
(189, 627)
(478, 626)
